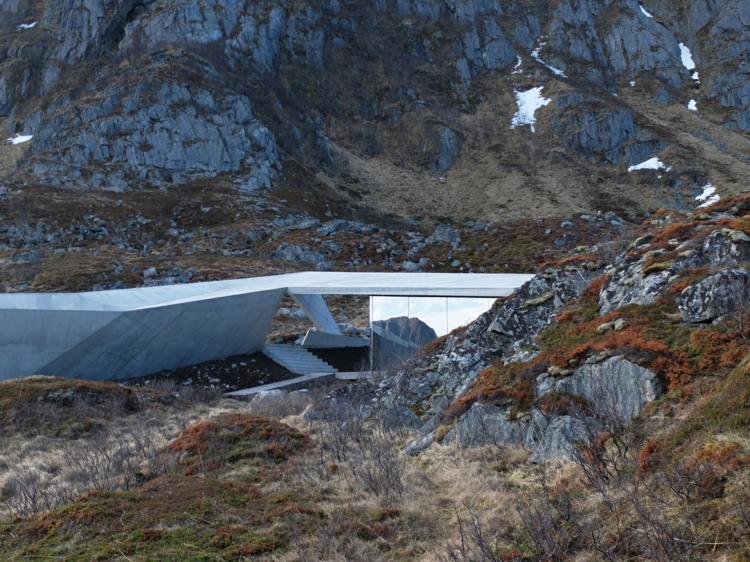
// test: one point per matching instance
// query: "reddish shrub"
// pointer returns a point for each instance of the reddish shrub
(719, 351)
(512, 556)
(739, 223)
(507, 384)
(678, 231)
(647, 456)
(208, 444)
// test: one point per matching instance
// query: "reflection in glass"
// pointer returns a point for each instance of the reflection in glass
(402, 325)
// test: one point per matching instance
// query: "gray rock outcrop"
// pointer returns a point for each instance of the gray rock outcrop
(724, 293)
(164, 133)
(520, 318)
(617, 385)
(609, 387)
(643, 280)
(617, 389)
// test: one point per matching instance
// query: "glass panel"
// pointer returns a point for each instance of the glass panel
(463, 311)
(401, 326)
(391, 341)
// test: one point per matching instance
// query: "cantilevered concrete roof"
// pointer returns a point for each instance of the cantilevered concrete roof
(305, 283)
(132, 332)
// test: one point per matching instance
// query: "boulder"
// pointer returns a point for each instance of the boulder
(300, 253)
(727, 247)
(547, 436)
(616, 389)
(444, 233)
(715, 296)
(616, 386)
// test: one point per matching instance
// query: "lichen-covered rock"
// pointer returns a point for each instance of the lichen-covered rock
(615, 389)
(164, 132)
(301, 253)
(726, 292)
(727, 247)
(616, 385)
(520, 318)
(643, 280)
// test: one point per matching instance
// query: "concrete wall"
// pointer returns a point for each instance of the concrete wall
(103, 345)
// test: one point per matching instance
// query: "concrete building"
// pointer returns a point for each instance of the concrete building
(125, 333)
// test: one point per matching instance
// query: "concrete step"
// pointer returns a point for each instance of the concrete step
(296, 359)
(282, 384)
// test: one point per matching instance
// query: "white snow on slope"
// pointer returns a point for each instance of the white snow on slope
(687, 57)
(709, 196)
(517, 69)
(24, 26)
(650, 164)
(528, 102)
(645, 12)
(20, 139)
(687, 60)
(693, 105)
(537, 57)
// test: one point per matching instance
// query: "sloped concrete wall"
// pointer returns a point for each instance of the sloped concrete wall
(112, 345)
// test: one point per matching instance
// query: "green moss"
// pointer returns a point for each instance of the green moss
(657, 267)
(418, 409)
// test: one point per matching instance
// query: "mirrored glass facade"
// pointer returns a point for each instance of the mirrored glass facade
(401, 326)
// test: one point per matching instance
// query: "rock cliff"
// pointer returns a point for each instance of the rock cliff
(401, 105)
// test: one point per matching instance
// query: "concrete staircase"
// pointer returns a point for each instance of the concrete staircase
(296, 359)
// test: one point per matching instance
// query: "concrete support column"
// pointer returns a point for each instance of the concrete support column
(316, 309)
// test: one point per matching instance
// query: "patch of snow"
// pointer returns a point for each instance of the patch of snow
(20, 139)
(687, 60)
(709, 196)
(517, 69)
(650, 164)
(537, 57)
(687, 57)
(25, 26)
(632, 83)
(693, 105)
(645, 12)
(528, 102)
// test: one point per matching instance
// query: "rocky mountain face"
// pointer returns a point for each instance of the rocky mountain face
(397, 339)
(589, 341)
(411, 330)
(434, 108)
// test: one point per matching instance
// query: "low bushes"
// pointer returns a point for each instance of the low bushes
(225, 439)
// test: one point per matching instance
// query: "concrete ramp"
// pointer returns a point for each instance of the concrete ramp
(296, 359)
